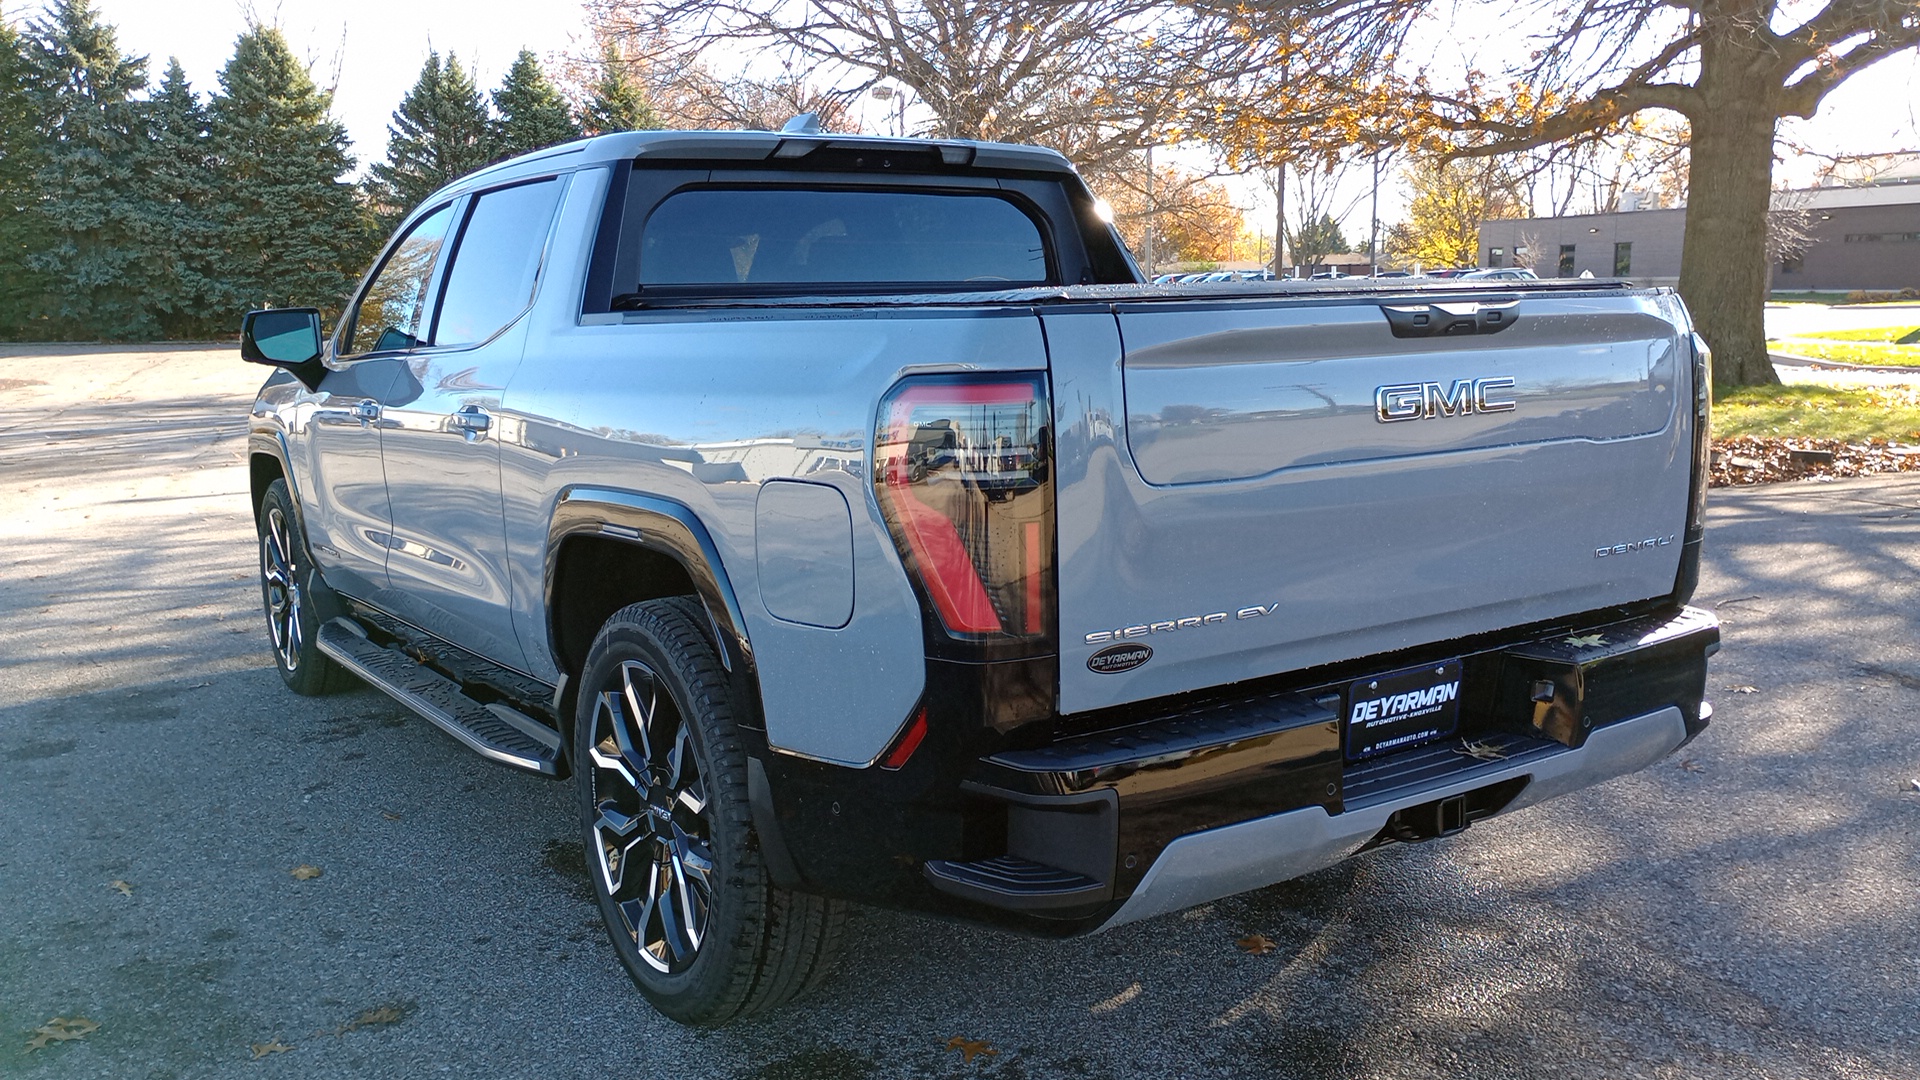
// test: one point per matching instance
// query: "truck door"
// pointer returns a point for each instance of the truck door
(446, 550)
(346, 514)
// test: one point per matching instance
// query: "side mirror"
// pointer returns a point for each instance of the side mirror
(284, 337)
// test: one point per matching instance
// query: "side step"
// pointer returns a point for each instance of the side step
(1015, 884)
(494, 731)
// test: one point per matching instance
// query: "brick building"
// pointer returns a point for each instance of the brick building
(1865, 237)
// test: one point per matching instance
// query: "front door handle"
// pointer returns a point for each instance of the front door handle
(367, 411)
(471, 421)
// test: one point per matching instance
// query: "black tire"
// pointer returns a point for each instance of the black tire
(295, 599)
(703, 932)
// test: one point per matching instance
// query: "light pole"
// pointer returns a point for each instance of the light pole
(898, 96)
(1147, 244)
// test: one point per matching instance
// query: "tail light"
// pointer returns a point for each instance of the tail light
(963, 473)
(1689, 575)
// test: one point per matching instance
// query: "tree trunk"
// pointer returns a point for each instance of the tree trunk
(1723, 265)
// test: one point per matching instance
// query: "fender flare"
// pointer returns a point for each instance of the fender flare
(667, 528)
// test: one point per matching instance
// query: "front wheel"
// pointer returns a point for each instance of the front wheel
(293, 594)
(661, 776)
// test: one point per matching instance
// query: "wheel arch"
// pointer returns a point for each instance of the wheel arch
(608, 548)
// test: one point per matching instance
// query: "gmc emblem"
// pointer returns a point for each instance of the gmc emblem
(1426, 400)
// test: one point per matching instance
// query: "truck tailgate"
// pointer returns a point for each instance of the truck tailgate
(1248, 487)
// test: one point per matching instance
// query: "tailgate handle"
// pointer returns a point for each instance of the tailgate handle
(1441, 320)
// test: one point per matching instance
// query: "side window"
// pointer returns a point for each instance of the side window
(389, 314)
(496, 262)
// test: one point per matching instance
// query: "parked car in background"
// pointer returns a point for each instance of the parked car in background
(1501, 273)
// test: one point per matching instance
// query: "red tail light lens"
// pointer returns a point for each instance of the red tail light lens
(963, 472)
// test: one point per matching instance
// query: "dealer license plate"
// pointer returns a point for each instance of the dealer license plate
(1402, 708)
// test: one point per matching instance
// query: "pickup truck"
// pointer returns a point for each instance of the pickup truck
(846, 520)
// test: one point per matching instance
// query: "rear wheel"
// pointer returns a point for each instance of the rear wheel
(294, 595)
(661, 776)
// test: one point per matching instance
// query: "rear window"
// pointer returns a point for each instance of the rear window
(789, 236)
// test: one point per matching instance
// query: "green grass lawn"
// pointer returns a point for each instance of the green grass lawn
(1802, 411)
(1899, 345)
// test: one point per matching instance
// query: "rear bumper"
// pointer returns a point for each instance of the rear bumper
(1182, 801)
(1200, 867)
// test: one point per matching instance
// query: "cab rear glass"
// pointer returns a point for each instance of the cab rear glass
(782, 237)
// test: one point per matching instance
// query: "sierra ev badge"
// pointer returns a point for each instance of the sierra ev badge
(1115, 659)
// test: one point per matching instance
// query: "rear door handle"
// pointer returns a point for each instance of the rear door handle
(471, 421)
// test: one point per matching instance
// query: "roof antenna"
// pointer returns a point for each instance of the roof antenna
(805, 123)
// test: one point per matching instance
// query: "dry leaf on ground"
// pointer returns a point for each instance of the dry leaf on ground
(1753, 459)
(1256, 944)
(1588, 641)
(61, 1029)
(121, 887)
(1743, 689)
(1691, 765)
(379, 1016)
(261, 1050)
(390, 815)
(304, 872)
(970, 1048)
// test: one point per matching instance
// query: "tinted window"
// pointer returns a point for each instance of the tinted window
(496, 263)
(389, 314)
(787, 236)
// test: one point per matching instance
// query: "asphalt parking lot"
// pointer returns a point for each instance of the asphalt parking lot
(1749, 908)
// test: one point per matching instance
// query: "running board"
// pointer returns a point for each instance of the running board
(493, 731)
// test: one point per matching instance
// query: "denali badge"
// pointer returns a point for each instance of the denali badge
(1636, 545)
(1426, 400)
(1115, 659)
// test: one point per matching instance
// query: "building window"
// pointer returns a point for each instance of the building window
(1879, 237)
(1566, 260)
(1622, 259)
(1496, 257)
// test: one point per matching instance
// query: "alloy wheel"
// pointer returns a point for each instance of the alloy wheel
(282, 583)
(652, 825)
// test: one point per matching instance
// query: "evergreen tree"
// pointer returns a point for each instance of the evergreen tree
(292, 229)
(440, 132)
(80, 88)
(617, 101)
(20, 219)
(175, 184)
(533, 115)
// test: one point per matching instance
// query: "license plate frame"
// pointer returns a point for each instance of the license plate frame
(1401, 709)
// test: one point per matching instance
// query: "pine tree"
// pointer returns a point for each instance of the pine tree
(440, 133)
(175, 183)
(81, 87)
(21, 223)
(532, 114)
(292, 229)
(617, 101)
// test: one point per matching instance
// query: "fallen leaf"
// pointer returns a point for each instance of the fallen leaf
(379, 1016)
(1743, 689)
(389, 815)
(970, 1048)
(261, 1050)
(303, 872)
(121, 887)
(1480, 751)
(61, 1029)
(1587, 642)
(1256, 944)
(198, 685)
(1691, 765)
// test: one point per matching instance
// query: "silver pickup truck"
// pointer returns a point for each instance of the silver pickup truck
(846, 521)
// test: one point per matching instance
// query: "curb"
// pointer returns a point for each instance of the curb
(1791, 360)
